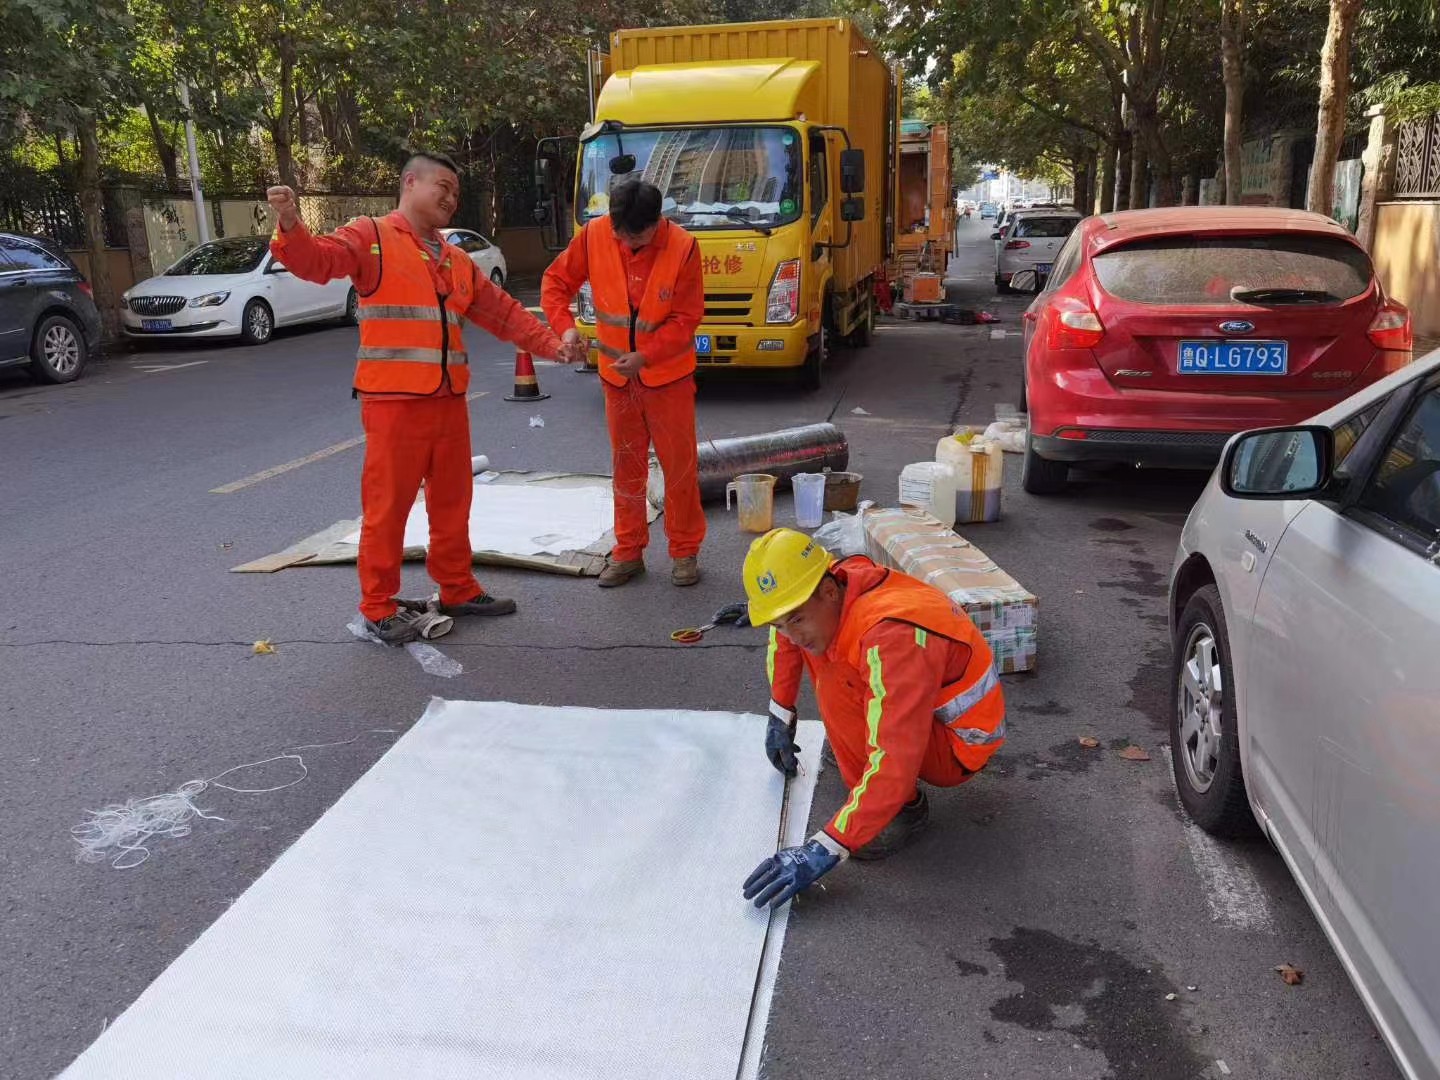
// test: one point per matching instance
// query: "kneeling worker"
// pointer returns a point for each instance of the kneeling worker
(907, 690)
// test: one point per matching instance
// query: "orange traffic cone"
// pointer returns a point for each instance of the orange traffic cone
(527, 386)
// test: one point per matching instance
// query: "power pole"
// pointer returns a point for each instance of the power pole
(201, 221)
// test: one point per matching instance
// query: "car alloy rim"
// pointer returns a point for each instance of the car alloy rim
(1201, 700)
(62, 350)
(259, 322)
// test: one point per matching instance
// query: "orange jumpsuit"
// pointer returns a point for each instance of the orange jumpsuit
(638, 413)
(424, 435)
(884, 742)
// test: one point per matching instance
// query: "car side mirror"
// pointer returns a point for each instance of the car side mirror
(1278, 463)
(852, 210)
(852, 173)
(1025, 281)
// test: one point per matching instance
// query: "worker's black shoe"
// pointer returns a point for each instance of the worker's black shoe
(903, 828)
(399, 629)
(483, 604)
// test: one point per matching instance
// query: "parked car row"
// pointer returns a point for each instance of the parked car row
(1305, 594)
(228, 288)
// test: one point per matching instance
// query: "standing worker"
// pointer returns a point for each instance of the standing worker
(415, 291)
(649, 293)
(906, 685)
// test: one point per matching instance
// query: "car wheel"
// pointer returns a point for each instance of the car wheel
(257, 323)
(1024, 405)
(1204, 738)
(1041, 476)
(352, 309)
(57, 352)
(497, 277)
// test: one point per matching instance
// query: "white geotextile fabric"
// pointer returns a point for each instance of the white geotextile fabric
(511, 892)
(515, 519)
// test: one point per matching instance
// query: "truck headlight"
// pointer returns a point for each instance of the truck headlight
(783, 303)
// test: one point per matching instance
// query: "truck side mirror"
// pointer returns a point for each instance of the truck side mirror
(852, 171)
(541, 214)
(852, 210)
(542, 177)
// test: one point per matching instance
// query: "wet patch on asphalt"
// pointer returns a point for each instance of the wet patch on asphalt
(1146, 580)
(1099, 998)
(1150, 685)
(1050, 708)
(965, 967)
(1110, 524)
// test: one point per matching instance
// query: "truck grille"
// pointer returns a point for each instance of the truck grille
(156, 305)
(728, 307)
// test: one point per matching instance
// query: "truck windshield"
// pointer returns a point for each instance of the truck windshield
(711, 178)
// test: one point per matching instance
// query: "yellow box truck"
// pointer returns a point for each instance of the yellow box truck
(775, 144)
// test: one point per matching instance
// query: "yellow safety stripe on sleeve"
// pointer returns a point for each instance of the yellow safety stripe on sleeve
(770, 654)
(873, 712)
(921, 637)
(374, 249)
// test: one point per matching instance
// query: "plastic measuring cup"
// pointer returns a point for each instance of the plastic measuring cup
(755, 493)
(809, 491)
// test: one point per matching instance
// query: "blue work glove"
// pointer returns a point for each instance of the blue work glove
(780, 745)
(789, 871)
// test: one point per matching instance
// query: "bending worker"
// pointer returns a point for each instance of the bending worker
(415, 291)
(907, 689)
(645, 278)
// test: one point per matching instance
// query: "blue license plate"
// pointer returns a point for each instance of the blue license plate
(1233, 358)
(154, 324)
(1043, 269)
(702, 344)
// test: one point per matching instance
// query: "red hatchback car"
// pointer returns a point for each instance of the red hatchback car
(1161, 333)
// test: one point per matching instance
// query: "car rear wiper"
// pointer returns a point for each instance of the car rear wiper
(1242, 295)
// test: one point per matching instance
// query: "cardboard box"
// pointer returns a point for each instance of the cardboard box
(924, 289)
(1005, 611)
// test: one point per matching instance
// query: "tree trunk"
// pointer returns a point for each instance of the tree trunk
(60, 149)
(1232, 65)
(92, 210)
(1139, 197)
(1125, 164)
(1107, 177)
(1334, 96)
(163, 149)
(282, 127)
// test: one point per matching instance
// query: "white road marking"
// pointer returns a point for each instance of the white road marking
(997, 332)
(155, 369)
(289, 466)
(1233, 893)
(308, 459)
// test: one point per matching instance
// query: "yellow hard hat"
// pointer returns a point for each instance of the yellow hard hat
(782, 570)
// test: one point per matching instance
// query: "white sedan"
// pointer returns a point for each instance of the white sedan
(229, 288)
(1305, 608)
(1030, 240)
(486, 255)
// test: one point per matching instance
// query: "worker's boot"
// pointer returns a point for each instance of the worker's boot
(903, 828)
(616, 574)
(686, 571)
(483, 604)
(401, 628)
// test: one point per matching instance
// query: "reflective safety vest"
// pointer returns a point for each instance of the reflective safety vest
(410, 335)
(619, 327)
(972, 709)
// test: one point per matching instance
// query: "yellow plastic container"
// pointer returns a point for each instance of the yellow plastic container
(979, 467)
(755, 492)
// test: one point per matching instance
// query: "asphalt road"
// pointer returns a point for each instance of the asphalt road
(1037, 930)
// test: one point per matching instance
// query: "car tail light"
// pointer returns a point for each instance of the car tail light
(782, 305)
(1392, 329)
(86, 289)
(1073, 325)
(1016, 245)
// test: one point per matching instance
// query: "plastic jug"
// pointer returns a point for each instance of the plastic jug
(979, 466)
(809, 491)
(755, 493)
(930, 486)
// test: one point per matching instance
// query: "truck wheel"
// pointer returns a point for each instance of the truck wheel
(812, 371)
(864, 332)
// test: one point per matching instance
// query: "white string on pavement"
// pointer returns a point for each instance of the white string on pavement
(121, 832)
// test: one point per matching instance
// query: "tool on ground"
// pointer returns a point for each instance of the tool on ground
(736, 614)
(527, 386)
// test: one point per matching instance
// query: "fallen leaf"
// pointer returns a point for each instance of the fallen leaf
(1134, 753)
(1089, 742)
(1292, 975)
(263, 647)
